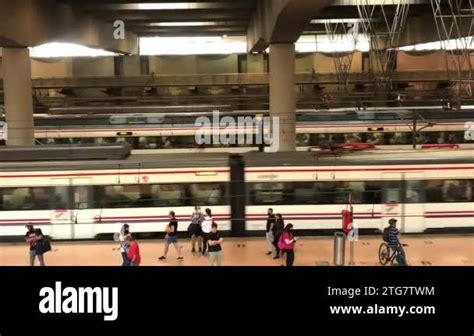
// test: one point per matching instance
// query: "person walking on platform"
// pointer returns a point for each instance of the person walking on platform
(287, 243)
(195, 228)
(124, 233)
(133, 251)
(269, 231)
(206, 227)
(277, 231)
(33, 237)
(172, 237)
(215, 249)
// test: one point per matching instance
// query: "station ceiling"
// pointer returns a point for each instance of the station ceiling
(174, 18)
(212, 17)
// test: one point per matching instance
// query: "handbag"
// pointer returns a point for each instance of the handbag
(43, 246)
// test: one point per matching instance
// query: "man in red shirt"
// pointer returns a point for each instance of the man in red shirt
(133, 251)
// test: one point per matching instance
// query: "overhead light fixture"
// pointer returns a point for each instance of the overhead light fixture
(163, 6)
(181, 24)
(192, 45)
(323, 21)
(56, 49)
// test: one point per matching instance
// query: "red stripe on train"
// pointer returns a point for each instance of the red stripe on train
(117, 173)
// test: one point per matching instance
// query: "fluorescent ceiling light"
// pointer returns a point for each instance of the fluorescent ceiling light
(323, 21)
(181, 24)
(192, 45)
(163, 6)
(56, 49)
(338, 43)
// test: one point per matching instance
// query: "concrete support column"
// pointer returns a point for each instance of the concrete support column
(18, 97)
(282, 92)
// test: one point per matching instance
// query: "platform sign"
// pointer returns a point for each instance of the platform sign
(3, 130)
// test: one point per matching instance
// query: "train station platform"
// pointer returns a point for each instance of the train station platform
(422, 250)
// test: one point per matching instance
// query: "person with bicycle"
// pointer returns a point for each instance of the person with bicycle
(394, 242)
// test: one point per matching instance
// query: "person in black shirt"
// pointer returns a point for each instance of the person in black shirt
(215, 249)
(172, 237)
(277, 231)
(32, 236)
(269, 231)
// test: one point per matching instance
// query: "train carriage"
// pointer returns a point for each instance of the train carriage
(423, 190)
(85, 199)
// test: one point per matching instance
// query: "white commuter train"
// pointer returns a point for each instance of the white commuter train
(88, 199)
(169, 132)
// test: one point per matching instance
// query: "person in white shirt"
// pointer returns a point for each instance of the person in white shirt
(124, 233)
(206, 227)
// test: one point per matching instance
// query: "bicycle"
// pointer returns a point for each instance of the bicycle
(387, 256)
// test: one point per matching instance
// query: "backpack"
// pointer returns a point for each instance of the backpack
(385, 234)
(281, 242)
(43, 246)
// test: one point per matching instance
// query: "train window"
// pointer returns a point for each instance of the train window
(414, 192)
(457, 191)
(375, 138)
(61, 198)
(267, 193)
(120, 196)
(16, 199)
(373, 192)
(353, 137)
(208, 193)
(392, 192)
(169, 194)
(303, 140)
(398, 138)
(303, 193)
(326, 192)
(82, 197)
(330, 193)
(439, 191)
(40, 198)
(434, 191)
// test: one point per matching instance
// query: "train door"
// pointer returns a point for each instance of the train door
(392, 199)
(403, 200)
(60, 213)
(84, 214)
(414, 202)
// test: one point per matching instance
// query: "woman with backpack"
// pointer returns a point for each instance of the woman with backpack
(287, 243)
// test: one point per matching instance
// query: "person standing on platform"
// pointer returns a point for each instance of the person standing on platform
(32, 237)
(133, 251)
(124, 233)
(215, 249)
(269, 231)
(277, 231)
(287, 243)
(195, 228)
(206, 227)
(172, 237)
